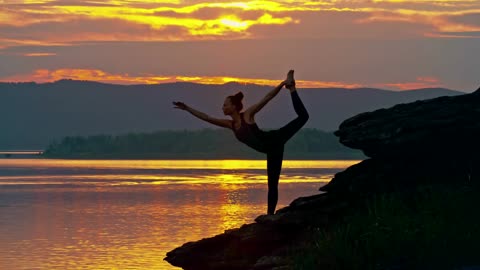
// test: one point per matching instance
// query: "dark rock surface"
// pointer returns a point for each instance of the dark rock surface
(425, 142)
(444, 124)
(263, 244)
(377, 175)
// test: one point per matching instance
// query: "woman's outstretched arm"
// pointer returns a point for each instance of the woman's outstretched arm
(251, 111)
(203, 116)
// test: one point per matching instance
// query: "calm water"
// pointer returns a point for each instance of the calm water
(126, 214)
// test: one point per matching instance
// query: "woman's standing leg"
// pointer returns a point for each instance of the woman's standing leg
(274, 167)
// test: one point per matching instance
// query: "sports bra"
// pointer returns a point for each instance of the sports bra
(251, 135)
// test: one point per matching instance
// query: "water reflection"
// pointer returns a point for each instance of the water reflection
(111, 220)
(171, 164)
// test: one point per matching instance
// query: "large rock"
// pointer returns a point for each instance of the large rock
(441, 125)
(263, 244)
(435, 141)
(379, 175)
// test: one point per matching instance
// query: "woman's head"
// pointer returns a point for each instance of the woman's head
(233, 103)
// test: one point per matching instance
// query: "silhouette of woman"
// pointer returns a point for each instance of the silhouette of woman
(246, 130)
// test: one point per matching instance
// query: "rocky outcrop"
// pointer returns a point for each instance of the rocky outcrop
(425, 142)
(440, 125)
(263, 244)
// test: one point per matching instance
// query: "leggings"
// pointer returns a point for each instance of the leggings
(275, 156)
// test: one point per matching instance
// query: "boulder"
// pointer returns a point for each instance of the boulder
(377, 175)
(425, 142)
(422, 128)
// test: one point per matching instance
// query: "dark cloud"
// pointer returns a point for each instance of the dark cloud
(93, 29)
(437, 6)
(343, 25)
(466, 34)
(469, 19)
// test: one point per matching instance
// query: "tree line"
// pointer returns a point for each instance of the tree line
(204, 143)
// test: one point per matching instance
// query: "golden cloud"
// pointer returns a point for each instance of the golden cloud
(180, 20)
(45, 75)
(230, 21)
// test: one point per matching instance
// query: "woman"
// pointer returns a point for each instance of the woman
(246, 130)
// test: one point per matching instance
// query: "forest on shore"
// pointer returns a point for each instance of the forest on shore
(194, 144)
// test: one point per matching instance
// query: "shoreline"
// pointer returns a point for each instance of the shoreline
(156, 156)
(178, 158)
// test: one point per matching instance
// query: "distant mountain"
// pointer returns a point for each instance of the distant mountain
(32, 115)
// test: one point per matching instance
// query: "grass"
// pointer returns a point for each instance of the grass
(430, 228)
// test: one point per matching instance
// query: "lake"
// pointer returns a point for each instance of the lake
(126, 214)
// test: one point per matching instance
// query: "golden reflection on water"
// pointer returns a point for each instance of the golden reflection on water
(125, 180)
(129, 220)
(174, 164)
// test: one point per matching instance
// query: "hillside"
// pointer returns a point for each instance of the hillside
(32, 115)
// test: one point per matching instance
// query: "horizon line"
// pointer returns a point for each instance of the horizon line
(309, 86)
(105, 77)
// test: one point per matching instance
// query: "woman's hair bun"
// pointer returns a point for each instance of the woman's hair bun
(237, 100)
(239, 96)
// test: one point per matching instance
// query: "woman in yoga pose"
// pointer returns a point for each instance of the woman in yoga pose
(246, 130)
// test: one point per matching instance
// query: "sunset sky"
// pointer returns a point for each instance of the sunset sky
(391, 44)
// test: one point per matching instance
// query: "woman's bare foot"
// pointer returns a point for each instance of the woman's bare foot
(290, 81)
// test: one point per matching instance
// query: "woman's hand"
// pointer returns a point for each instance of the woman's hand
(180, 105)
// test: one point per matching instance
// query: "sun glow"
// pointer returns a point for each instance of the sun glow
(161, 16)
(234, 23)
(213, 20)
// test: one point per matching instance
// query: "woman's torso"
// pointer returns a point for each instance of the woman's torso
(251, 135)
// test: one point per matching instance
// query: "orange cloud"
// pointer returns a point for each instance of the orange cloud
(9, 42)
(421, 82)
(38, 54)
(45, 75)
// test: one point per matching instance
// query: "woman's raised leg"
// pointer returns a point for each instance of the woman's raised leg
(286, 132)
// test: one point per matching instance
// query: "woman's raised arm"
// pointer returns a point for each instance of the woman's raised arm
(203, 116)
(252, 110)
